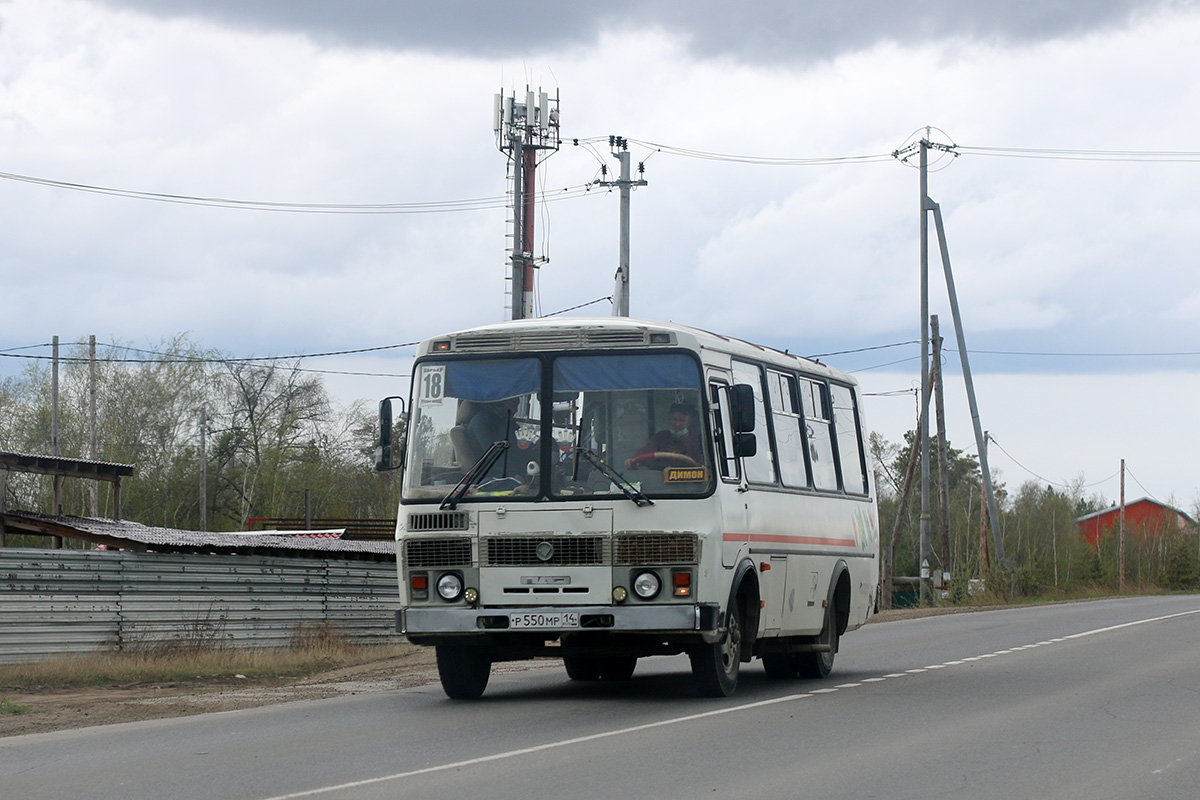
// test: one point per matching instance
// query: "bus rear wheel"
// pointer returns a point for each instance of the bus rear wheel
(464, 670)
(582, 668)
(617, 668)
(820, 664)
(716, 666)
(780, 666)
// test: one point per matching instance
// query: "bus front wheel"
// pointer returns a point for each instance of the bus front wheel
(464, 670)
(716, 666)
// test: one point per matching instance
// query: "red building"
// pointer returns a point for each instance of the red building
(1144, 517)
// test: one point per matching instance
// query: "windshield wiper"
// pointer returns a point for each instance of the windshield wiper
(480, 467)
(630, 491)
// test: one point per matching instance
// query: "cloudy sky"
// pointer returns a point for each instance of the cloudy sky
(1069, 195)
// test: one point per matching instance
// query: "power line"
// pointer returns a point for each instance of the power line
(885, 364)
(571, 192)
(581, 305)
(1139, 483)
(1163, 156)
(1078, 355)
(175, 358)
(863, 349)
(992, 439)
(770, 161)
(432, 207)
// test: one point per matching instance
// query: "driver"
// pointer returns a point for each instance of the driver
(681, 438)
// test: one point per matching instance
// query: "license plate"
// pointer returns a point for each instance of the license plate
(560, 619)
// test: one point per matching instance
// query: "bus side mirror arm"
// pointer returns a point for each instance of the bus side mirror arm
(383, 451)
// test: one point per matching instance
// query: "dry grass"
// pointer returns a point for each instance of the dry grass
(313, 650)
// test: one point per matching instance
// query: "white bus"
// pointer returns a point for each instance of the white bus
(603, 490)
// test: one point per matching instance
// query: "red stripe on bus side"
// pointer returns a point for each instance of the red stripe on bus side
(779, 538)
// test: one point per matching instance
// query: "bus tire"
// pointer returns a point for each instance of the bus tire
(819, 665)
(716, 666)
(464, 670)
(617, 668)
(582, 668)
(780, 666)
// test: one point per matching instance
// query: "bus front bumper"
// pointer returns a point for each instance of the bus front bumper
(695, 618)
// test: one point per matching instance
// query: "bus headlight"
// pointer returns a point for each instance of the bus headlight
(646, 585)
(450, 587)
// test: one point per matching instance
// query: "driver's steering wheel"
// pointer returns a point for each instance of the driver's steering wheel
(663, 457)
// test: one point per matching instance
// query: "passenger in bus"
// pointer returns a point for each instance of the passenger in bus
(678, 445)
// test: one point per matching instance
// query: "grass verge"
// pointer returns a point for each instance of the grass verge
(165, 665)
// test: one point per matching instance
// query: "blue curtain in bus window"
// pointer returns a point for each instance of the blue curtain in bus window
(492, 380)
(605, 373)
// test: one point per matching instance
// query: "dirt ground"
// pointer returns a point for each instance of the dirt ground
(61, 709)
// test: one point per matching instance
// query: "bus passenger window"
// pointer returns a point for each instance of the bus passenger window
(816, 426)
(849, 440)
(760, 468)
(789, 444)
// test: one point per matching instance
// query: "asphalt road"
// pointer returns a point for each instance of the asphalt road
(1085, 700)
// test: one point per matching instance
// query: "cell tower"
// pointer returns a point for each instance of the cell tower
(527, 132)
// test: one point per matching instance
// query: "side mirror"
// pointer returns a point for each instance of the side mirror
(741, 407)
(383, 451)
(745, 445)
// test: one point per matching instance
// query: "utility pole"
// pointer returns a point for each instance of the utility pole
(1121, 537)
(522, 131)
(93, 486)
(620, 149)
(929, 206)
(985, 558)
(939, 405)
(969, 382)
(203, 469)
(54, 427)
(56, 542)
(925, 548)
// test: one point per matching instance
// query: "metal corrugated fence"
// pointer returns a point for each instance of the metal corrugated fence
(71, 601)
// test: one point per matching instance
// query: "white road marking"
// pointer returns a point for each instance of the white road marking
(692, 717)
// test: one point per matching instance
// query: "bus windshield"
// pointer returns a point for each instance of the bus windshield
(641, 415)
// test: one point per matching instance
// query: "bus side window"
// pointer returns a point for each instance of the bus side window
(789, 444)
(723, 430)
(760, 468)
(849, 440)
(816, 427)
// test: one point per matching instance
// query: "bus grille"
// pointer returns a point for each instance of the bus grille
(437, 552)
(656, 548)
(523, 551)
(566, 339)
(454, 521)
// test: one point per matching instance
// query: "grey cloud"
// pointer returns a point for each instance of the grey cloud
(760, 31)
